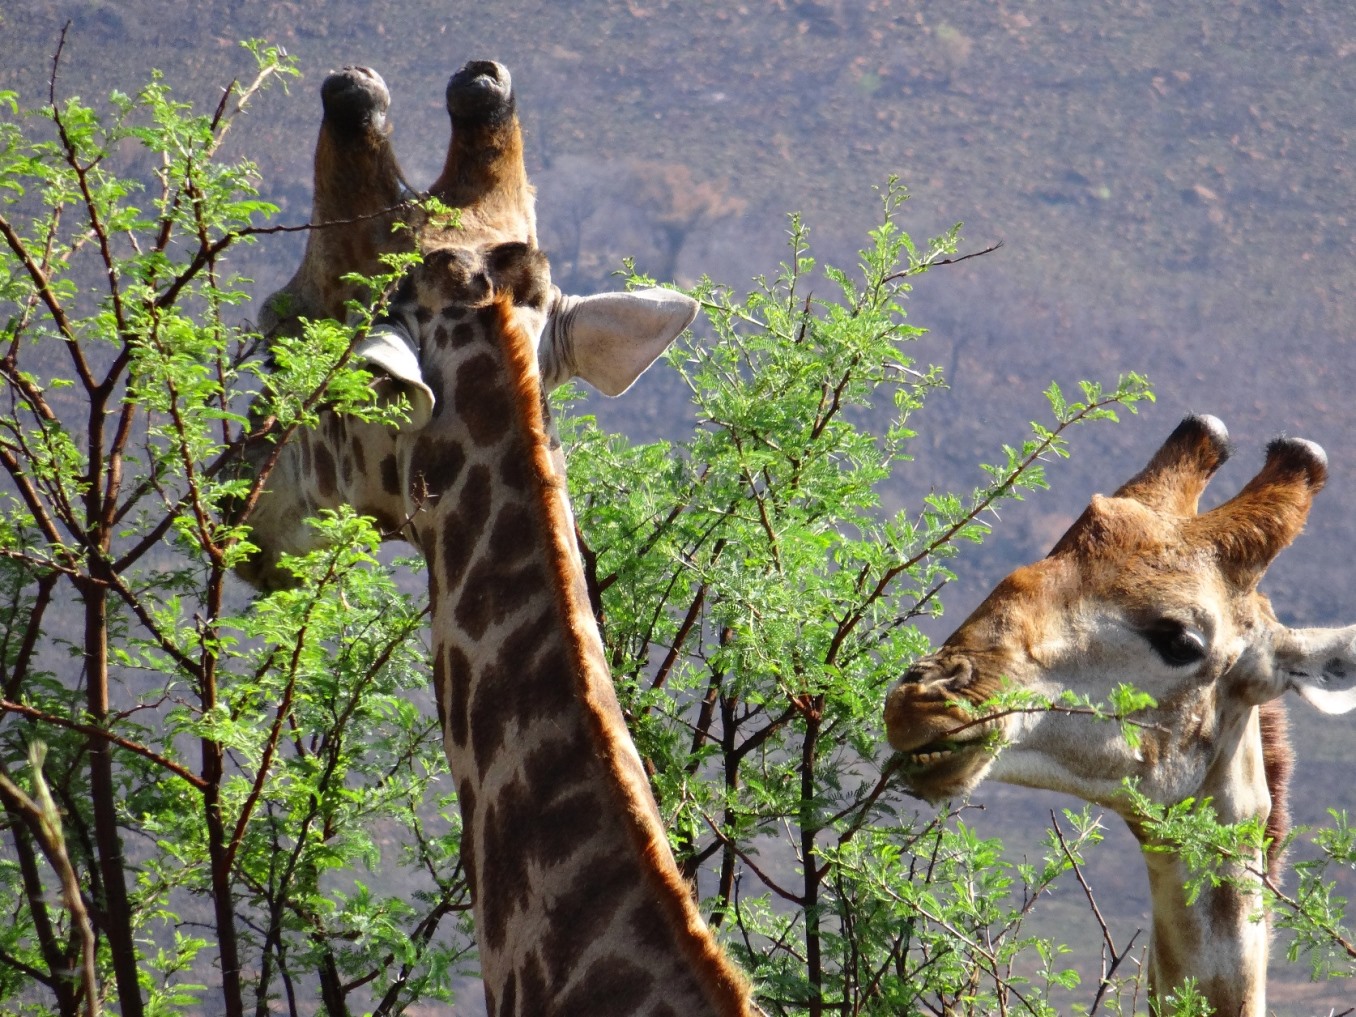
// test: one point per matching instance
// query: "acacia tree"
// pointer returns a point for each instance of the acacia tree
(237, 800)
(758, 603)
(221, 778)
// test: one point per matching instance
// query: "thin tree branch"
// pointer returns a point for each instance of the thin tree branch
(94, 731)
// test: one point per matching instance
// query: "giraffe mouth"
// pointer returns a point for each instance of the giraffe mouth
(946, 767)
(481, 90)
(945, 750)
(355, 99)
(938, 752)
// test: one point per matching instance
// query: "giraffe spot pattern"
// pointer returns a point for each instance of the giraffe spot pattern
(502, 866)
(613, 983)
(511, 535)
(463, 334)
(390, 474)
(511, 688)
(533, 988)
(514, 472)
(486, 318)
(458, 673)
(433, 378)
(440, 679)
(546, 834)
(508, 1002)
(466, 802)
(543, 766)
(481, 401)
(437, 464)
(326, 477)
(494, 593)
(462, 526)
(583, 914)
(386, 521)
(646, 930)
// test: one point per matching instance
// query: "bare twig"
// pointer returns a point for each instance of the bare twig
(1116, 956)
(915, 269)
(93, 731)
(44, 823)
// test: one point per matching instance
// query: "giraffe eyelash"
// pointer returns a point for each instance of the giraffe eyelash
(1176, 644)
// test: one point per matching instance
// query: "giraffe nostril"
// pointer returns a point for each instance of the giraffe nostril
(919, 673)
(951, 674)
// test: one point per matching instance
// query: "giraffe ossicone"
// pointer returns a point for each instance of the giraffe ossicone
(579, 905)
(607, 340)
(1146, 590)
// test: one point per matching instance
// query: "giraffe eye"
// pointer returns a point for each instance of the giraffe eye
(1176, 644)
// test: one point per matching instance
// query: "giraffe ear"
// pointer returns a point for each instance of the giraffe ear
(611, 338)
(1320, 665)
(388, 348)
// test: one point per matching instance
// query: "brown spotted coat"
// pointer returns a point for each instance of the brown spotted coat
(580, 908)
(1145, 590)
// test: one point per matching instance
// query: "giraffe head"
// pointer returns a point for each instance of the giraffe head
(357, 193)
(1142, 590)
(579, 905)
(607, 339)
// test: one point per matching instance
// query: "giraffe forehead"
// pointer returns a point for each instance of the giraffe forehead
(1038, 602)
(1125, 550)
(461, 273)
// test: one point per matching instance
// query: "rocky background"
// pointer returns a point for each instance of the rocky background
(1173, 184)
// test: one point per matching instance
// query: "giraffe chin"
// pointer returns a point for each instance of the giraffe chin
(944, 769)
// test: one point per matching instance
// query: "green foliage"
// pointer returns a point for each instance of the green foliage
(1212, 851)
(1314, 916)
(247, 797)
(759, 601)
(249, 800)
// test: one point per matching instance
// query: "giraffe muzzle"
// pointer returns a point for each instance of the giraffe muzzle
(355, 99)
(481, 90)
(943, 746)
(928, 713)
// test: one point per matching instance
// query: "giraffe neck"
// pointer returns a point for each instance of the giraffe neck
(359, 191)
(1220, 939)
(579, 905)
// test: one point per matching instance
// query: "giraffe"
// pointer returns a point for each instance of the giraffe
(1144, 589)
(579, 905)
(606, 339)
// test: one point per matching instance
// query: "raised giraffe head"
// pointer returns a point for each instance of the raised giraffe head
(1145, 590)
(358, 191)
(579, 905)
(605, 339)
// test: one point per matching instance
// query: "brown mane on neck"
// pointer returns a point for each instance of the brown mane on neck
(593, 679)
(1278, 759)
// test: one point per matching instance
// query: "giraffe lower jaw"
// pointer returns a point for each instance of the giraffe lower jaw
(944, 768)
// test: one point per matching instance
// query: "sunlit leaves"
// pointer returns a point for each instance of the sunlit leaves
(269, 764)
(758, 603)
